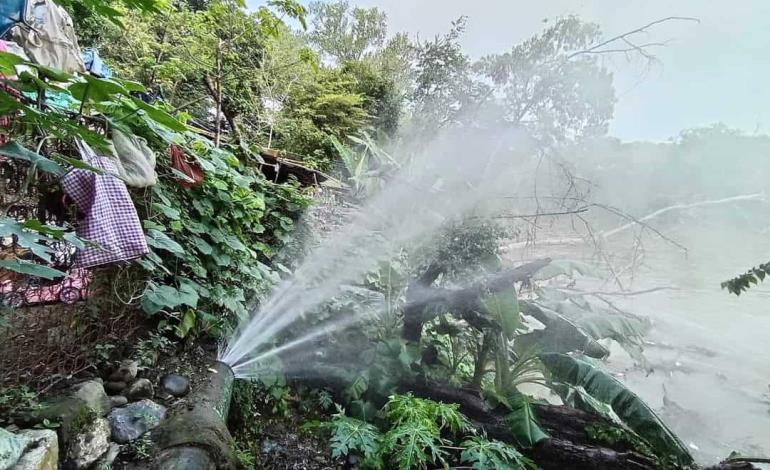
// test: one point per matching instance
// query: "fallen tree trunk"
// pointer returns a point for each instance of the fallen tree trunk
(464, 302)
(569, 447)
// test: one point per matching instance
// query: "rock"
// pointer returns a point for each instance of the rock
(175, 384)
(42, 452)
(93, 394)
(11, 448)
(87, 447)
(68, 411)
(271, 447)
(105, 461)
(126, 372)
(133, 420)
(115, 387)
(140, 390)
(118, 400)
(185, 457)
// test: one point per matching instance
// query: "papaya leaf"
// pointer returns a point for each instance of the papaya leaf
(631, 409)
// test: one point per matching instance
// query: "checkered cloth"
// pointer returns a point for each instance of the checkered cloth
(110, 218)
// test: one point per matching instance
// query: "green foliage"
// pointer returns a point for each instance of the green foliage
(83, 419)
(14, 150)
(149, 349)
(199, 233)
(350, 435)
(485, 454)
(503, 306)
(419, 433)
(742, 283)
(415, 436)
(568, 95)
(524, 424)
(346, 34)
(467, 247)
(17, 398)
(38, 239)
(627, 406)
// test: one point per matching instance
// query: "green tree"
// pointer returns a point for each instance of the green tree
(550, 86)
(342, 33)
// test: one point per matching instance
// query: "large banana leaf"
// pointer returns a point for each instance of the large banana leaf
(631, 409)
(525, 426)
(616, 327)
(560, 335)
(503, 306)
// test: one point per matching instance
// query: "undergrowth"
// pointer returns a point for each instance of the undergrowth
(418, 433)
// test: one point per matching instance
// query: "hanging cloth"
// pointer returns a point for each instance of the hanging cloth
(109, 216)
(11, 12)
(135, 160)
(48, 36)
(191, 172)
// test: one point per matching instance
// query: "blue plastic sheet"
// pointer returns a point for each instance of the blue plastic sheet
(94, 63)
(11, 12)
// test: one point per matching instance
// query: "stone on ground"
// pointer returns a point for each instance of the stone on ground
(86, 447)
(126, 372)
(118, 400)
(11, 448)
(140, 390)
(175, 384)
(93, 394)
(42, 452)
(135, 419)
(105, 461)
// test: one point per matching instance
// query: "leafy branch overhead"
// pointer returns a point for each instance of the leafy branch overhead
(742, 283)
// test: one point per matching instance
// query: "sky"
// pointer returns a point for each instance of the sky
(715, 70)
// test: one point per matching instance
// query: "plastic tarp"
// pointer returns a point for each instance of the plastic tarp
(48, 36)
(94, 63)
(11, 12)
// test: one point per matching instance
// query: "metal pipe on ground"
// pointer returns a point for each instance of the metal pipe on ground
(197, 437)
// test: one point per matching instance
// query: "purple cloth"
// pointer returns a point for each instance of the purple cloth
(110, 218)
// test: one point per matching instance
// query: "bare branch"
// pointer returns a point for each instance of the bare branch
(597, 48)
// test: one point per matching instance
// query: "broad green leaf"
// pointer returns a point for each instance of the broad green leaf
(560, 335)
(33, 269)
(627, 406)
(161, 241)
(159, 116)
(170, 212)
(25, 238)
(96, 90)
(503, 306)
(202, 245)
(8, 62)
(523, 421)
(53, 74)
(187, 323)
(14, 150)
(76, 163)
